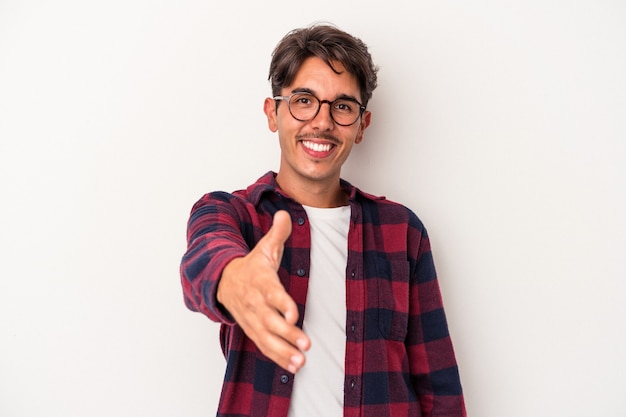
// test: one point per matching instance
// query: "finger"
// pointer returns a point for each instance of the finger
(270, 311)
(281, 227)
(273, 242)
(282, 320)
(283, 343)
(277, 298)
(282, 353)
(277, 325)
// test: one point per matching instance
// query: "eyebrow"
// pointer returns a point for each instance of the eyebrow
(309, 91)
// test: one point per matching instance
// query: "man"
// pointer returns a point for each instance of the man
(302, 267)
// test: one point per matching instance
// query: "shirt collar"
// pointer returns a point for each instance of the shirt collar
(267, 183)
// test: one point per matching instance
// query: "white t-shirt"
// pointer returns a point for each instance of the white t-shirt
(318, 386)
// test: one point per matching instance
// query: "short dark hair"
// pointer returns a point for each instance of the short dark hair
(329, 44)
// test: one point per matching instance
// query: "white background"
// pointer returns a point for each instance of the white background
(501, 123)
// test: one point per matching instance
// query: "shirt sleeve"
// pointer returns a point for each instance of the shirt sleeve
(433, 367)
(214, 238)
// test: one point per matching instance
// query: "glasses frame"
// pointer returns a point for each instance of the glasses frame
(319, 107)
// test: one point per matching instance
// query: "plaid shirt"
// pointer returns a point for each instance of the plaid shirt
(399, 356)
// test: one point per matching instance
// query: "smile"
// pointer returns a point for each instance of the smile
(317, 147)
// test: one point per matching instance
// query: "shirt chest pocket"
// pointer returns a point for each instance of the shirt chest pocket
(393, 298)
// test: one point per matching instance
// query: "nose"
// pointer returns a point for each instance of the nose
(323, 120)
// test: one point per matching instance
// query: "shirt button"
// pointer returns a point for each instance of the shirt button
(352, 274)
(284, 379)
(353, 328)
(352, 384)
(300, 221)
(301, 272)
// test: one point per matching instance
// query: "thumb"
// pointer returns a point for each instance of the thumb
(275, 238)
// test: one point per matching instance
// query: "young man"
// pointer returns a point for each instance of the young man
(303, 267)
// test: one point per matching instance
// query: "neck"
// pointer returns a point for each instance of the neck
(313, 193)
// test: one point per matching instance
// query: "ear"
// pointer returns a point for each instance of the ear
(269, 108)
(366, 119)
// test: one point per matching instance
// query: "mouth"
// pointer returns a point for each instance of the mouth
(318, 149)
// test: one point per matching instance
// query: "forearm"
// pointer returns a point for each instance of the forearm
(433, 366)
(201, 271)
(214, 240)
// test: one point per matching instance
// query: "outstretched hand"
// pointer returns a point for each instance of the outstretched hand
(251, 291)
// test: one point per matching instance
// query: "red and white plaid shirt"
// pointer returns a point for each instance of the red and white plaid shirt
(399, 355)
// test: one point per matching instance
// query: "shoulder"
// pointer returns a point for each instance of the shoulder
(217, 202)
(381, 210)
(390, 212)
(239, 199)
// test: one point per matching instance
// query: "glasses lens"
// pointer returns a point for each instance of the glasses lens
(303, 106)
(345, 112)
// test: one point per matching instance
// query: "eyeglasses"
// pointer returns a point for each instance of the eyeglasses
(305, 106)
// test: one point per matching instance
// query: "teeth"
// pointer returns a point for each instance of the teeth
(317, 147)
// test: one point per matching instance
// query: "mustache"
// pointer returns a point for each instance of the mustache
(321, 135)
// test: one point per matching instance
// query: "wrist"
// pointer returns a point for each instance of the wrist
(223, 283)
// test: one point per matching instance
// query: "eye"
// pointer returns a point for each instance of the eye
(345, 106)
(302, 100)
